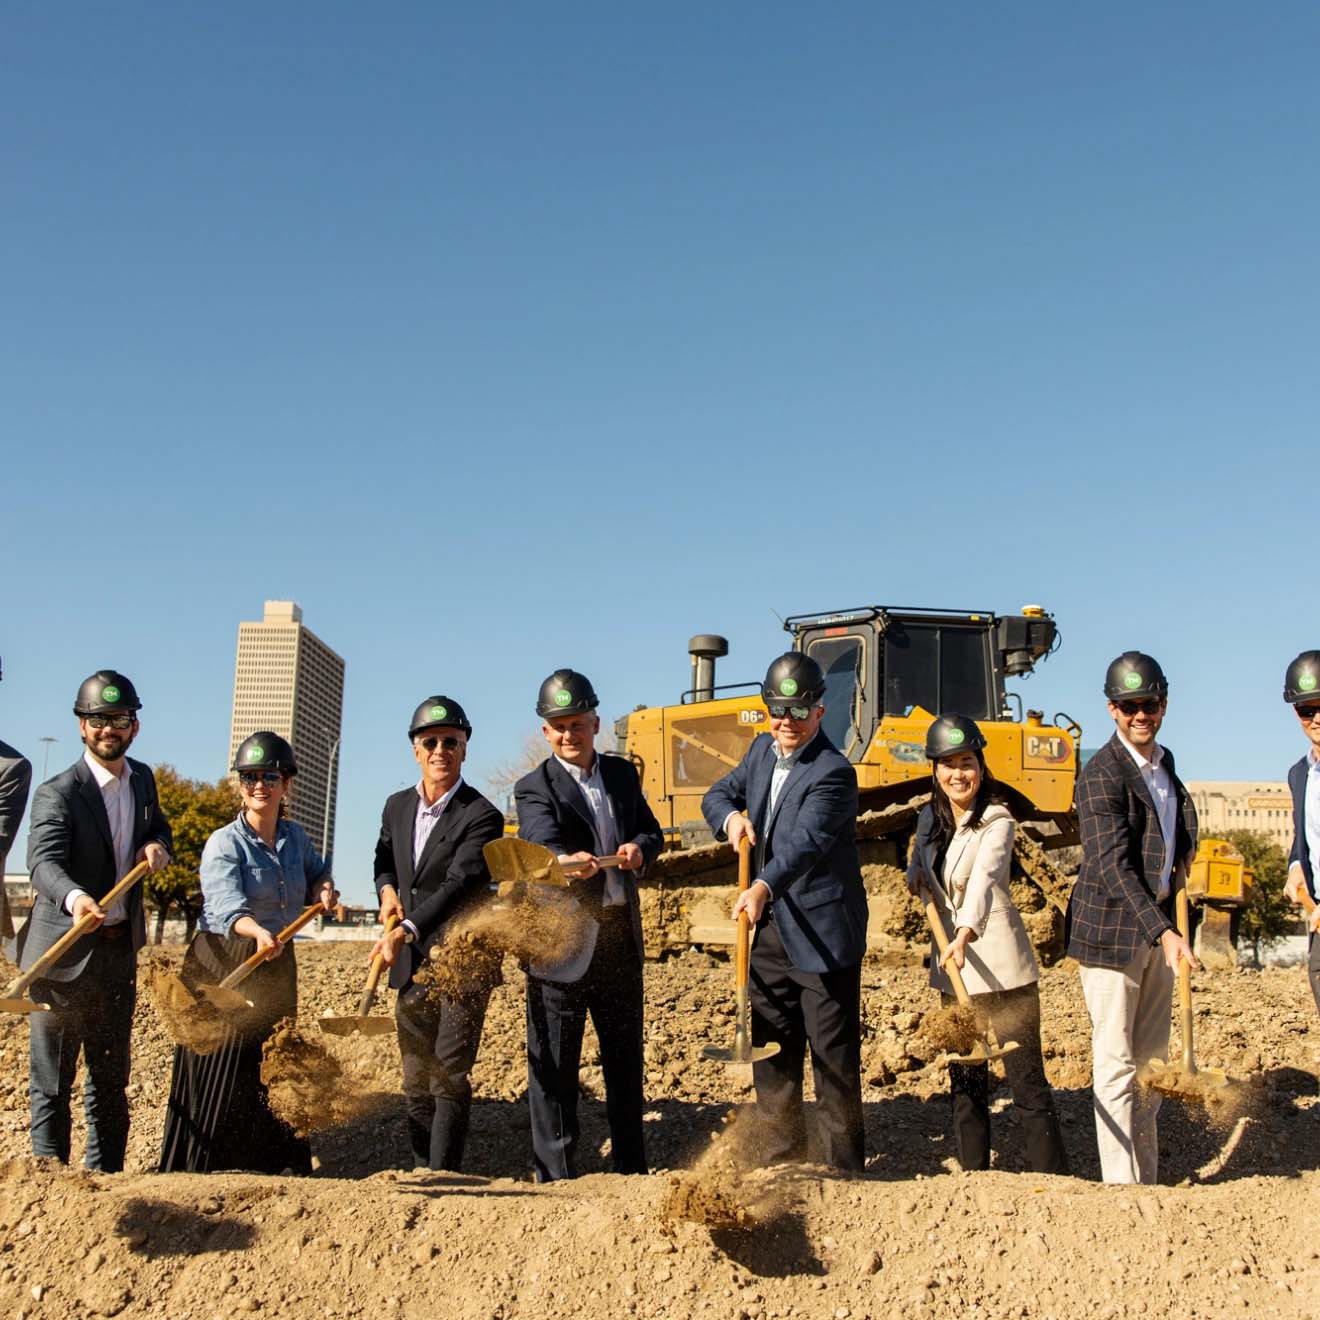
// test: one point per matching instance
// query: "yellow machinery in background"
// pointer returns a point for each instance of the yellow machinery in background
(1219, 885)
(888, 672)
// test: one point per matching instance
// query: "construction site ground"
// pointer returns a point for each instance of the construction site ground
(1233, 1228)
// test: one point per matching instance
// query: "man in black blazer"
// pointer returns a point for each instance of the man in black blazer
(429, 869)
(1301, 690)
(15, 780)
(794, 796)
(582, 806)
(1138, 829)
(90, 826)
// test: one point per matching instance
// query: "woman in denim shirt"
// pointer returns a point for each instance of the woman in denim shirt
(258, 874)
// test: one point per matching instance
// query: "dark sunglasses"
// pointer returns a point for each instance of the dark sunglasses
(1307, 713)
(779, 712)
(251, 778)
(1151, 706)
(449, 742)
(112, 721)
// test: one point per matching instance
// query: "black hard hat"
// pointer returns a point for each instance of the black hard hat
(1302, 681)
(106, 690)
(794, 678)
(566, 692)
(265, 751)
(1135, 674)
(951, 734)
(438, 710)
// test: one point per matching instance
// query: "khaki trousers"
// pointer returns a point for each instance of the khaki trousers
(1129, 1008)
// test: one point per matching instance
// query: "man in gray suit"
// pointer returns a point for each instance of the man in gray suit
(15, 780)
(90, 826)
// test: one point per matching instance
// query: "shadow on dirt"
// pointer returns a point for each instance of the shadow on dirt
(175, 1230)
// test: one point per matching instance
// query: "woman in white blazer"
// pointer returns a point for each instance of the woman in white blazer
(962, 856)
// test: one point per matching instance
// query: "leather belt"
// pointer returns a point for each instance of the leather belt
(116, 932)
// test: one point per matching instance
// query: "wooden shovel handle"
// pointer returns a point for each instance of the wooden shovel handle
(1185, 981)
(743, 947)
(80, 928)
(614, 859)
(245, 969)
(942, 943)
(373, 976)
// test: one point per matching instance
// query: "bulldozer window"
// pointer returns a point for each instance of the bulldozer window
(939, 668)
(841, 659)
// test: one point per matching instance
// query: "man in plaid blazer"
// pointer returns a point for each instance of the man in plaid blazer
(1138, 835)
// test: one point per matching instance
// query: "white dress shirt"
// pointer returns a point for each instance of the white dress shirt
(117, 794)
(1312, 803)
(1160, 787)
(607, 834)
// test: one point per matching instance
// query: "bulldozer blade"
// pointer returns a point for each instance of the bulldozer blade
(512, 860)
(227, 1001)
(366, 1026)
(22, 1006)
(735, 1056)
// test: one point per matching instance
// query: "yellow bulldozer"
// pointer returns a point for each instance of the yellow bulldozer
(889, 671)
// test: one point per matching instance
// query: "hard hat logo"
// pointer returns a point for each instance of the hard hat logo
(110, 694)
(563, 697)
(438, 712)
(788, 687)
(1131, 680)
(1306, 682)
(955, 736)
(256, 752)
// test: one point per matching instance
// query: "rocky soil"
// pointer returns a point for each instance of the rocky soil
(1233, 1229)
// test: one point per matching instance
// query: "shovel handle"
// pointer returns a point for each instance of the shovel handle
(245, 969)
(80, 928)
(373, 976)
(614, 859)
(1185, 981)
(942, 943)
(743, 947)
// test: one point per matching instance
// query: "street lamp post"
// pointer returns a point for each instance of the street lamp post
(45, 755)
(329, 792)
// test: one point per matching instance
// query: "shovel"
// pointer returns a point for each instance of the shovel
(983, 1051)
(1185, 1081)
(224, 996)
(743, 1051)
(368, 1026)
(13, 1001)
(513, 861)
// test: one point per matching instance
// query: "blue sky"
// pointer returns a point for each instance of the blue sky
(555, 334)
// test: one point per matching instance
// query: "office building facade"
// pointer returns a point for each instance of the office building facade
(1223, 805)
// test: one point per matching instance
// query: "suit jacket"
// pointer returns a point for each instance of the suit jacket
(1301, 852)
(807, 847)
(973, 890)
(70, 847)
(553, 812)
(15, 780)
(450, 874)
(1112, 912)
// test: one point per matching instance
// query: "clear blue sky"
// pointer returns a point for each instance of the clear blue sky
(536, 335)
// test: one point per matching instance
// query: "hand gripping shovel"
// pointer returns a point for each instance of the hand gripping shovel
(225, 996)
(1186, 1082)
(743, 1051)
(513, 861)
(983, 1051)
(13, 1001)
(367, 1025)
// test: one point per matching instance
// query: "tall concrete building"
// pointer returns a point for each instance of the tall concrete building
(288, 680)
(1243, 805)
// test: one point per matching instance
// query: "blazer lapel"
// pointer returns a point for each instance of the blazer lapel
(453, 809)
(758, 789)
(1135, 779)
(571, 793)
(405, 819)
(957, 846)
(91, 795)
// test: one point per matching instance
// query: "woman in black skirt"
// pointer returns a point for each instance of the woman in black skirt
(258, 874)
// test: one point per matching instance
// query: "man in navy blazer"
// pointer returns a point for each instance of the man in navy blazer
(429, 870)
(1301, 690)
(90, 826)
(582, 806)
(794, 796)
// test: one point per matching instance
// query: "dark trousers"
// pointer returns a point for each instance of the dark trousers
(438, 1041)
(1015, 1016)
(797, 1009)
(611, 991)
(92, 1015)
(1313, 969)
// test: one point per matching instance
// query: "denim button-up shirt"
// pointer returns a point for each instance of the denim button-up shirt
(242, 877)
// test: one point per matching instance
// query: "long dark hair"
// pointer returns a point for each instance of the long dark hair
(945, 825)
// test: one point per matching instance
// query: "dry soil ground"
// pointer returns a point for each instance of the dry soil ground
(1233, 1228)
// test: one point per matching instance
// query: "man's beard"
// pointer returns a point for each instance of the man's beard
(121, 747)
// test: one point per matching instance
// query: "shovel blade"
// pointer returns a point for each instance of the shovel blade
(512, 860)
(367, 1026)
(982, 1053)
(227, 1001)
(22, 1006)
(736, 1056)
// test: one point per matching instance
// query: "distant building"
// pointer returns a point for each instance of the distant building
(18, 891)
(1223, 805)
(288, 680)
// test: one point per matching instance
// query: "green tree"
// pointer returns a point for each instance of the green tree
(1268, 916)
(195, 810)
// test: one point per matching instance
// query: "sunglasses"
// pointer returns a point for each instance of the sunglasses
(449, 742)
(251, 778)
(779, 712)
(1151, 706)
(110, 721)
(1307, 713)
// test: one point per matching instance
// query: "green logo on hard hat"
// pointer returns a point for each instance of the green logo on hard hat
(1306, 682)
(956, 736)
(110, 694)
(788, 687)
(563, 697)
(1131, 680)
(256, 752)
(437, 712)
